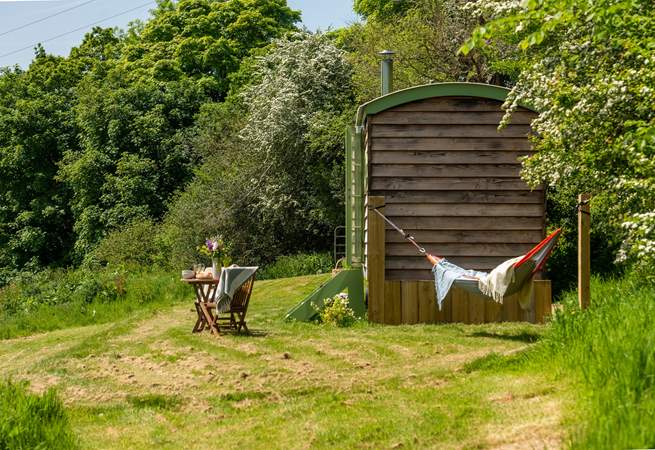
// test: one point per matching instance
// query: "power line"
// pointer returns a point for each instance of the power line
(46, 18)
(76, 29)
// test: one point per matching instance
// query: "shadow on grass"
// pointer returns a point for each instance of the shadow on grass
(154, 401)
(252, 333)
(520, 337)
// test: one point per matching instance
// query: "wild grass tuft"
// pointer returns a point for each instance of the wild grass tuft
(33, 421)
(611, 348)
(62, 299)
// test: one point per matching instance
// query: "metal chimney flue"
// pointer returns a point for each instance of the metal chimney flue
(386, 71)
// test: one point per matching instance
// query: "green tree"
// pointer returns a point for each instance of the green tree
(272, 181)
(135, 111)
(381, 9)
(426, 39)
(589, 70)
(37, 125)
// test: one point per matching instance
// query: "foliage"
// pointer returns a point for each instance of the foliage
(611, 347)
(588, 71)
(30, 291)
(272, 182)
(337, 311)
(33, 421)
(133, 245)
(37, 125)
(100, 139)
(297, 265)
(51, 300)
(134, 111)
(562, 266)
(426, 39)
(380, 9)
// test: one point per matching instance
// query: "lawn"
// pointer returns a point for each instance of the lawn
(146, 381)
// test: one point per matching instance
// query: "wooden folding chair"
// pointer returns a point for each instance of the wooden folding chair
(235, 318)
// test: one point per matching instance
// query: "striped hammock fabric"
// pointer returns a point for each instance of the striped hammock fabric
(523, 270)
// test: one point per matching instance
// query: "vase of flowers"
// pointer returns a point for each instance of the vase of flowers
(215, 248)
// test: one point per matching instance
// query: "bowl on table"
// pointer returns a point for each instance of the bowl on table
(188, 274)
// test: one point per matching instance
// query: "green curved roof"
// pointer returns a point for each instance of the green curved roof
(432, 90)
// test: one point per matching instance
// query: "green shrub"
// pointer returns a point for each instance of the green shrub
(611, 347)
(30, 291)
(51, 300)
(33, 421)
(337, 311)
(135, 244)
(297, 265)
(605, 241)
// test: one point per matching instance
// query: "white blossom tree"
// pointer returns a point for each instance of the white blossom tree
(590, 71)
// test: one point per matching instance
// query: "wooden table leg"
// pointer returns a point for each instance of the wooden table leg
(200, 322)
(210, 319)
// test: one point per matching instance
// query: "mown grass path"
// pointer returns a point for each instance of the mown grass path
(146, 382)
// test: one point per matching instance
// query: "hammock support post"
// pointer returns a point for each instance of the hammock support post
(584, 251)
(375, 260)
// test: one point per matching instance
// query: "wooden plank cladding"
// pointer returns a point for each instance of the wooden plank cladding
(462, 143)
(461, 249)
(444, 170)
(447, 131)
(452, 179)
(446, 184)
(419, 262)
(496, 197)
(448, 118)
(470, 223)
(467, 236)
(415, 157)
(411, 302)
(465, 210)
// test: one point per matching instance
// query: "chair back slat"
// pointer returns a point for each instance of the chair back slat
(242, 295)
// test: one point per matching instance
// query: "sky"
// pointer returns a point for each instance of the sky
(66, 21)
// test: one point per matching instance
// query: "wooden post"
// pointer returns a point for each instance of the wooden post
(584, 251)
(375, 261)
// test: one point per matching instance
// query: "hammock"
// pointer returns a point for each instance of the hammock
(533, 261)
(524, 269)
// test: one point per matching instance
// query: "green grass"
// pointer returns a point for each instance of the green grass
(33, 421)
(610, 350)
(136, 377)
(138, 293)
(145, 381)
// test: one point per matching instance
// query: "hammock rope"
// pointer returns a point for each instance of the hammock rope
(406, 235)
(539, 253)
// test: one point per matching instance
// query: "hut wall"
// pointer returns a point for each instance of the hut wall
(450, 178)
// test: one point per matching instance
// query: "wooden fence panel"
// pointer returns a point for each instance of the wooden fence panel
(410, 305)
(393, 303)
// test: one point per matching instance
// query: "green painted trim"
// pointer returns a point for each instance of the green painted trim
(349, 193)
(351, 280)
(432, 90)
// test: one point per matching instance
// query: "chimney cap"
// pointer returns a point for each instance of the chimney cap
(387, 54)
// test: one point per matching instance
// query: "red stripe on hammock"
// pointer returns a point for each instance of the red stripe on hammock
(528, 256)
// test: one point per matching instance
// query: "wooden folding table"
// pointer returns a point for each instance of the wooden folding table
(205, 291)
